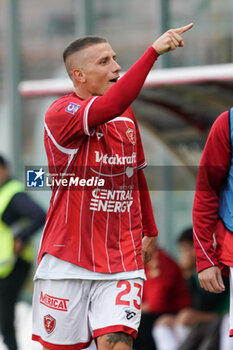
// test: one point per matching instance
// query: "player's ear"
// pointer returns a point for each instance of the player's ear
(79, 75)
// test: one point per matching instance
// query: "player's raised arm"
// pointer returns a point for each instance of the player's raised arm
(125, 91)
(171, 39)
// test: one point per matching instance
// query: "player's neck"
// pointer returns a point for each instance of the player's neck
(83, 95)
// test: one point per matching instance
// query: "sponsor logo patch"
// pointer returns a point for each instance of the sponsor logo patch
(72, 108)
(49, 323)
(131, 134)
(115, 159)
(53, 302)
(118, 201)
(129, 314)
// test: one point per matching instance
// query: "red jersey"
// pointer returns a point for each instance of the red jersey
(214, 167)
(95, 220)
(98, 227)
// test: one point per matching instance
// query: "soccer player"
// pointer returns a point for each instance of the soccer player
(90, 275)
(212, 209)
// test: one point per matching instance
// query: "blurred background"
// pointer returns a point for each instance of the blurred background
(174, 119)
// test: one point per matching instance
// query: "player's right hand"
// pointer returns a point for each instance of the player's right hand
(171, 39)
(211, 279)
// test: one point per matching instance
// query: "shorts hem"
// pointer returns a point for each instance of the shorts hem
(52, 346)
(114, 329)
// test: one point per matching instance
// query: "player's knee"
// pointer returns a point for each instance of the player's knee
(115, 341)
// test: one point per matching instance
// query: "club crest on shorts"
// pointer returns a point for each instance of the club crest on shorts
(131, 134)
(49, 323)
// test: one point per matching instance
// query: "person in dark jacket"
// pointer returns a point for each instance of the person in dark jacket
(20, 218)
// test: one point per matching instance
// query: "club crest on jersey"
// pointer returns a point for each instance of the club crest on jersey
(49, 323)
(131, 134)
(72, 108)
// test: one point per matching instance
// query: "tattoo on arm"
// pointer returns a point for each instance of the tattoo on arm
(114, 338)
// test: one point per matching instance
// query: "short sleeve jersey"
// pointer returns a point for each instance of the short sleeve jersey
(94, 220)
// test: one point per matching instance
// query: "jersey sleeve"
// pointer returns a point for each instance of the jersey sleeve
(66, 121)
(120, 96)
(213, 170)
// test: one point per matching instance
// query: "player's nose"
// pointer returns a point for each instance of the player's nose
(116, 67)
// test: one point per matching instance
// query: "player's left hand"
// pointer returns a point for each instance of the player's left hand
(148, 248)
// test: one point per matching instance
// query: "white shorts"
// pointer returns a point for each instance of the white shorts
(68, 314)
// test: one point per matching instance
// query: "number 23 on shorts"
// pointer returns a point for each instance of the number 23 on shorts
(123, 297)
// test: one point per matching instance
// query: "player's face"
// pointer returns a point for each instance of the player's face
(101, 69)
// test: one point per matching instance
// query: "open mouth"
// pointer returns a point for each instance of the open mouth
(113, 80)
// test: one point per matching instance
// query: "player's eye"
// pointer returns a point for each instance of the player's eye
(104, 61)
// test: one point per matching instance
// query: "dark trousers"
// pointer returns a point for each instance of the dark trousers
(203, 336)
(9, 291)
(144, 340)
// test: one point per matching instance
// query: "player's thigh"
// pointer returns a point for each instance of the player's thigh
(115, 341)
(60, 313)
(116, 307)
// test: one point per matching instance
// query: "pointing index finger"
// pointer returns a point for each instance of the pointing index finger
(184, 29)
